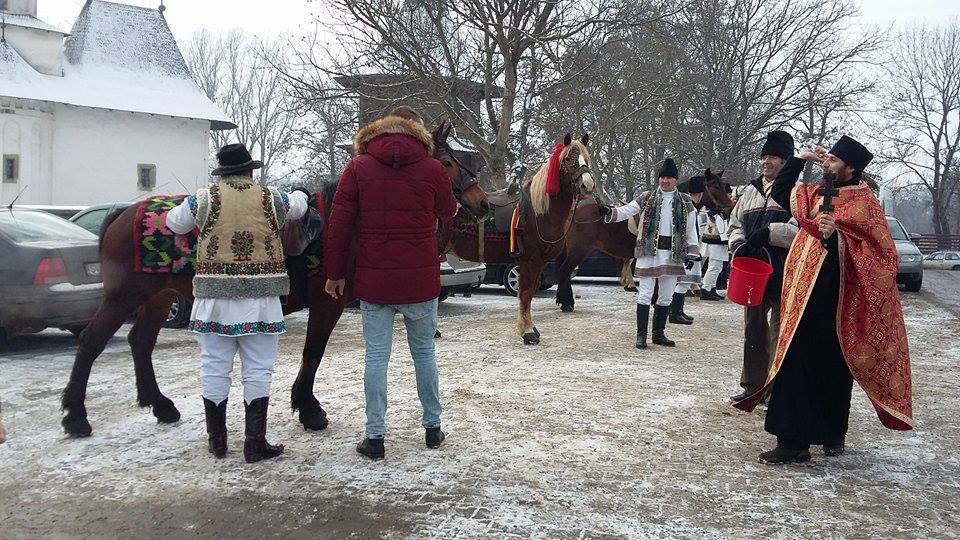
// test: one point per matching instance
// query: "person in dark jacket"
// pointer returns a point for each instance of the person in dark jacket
(763, 229)
(390, 197)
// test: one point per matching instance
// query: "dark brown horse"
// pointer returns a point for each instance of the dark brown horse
(590, 232)
(546, 221)
(149, 296)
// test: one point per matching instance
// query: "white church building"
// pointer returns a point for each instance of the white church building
(107, 112)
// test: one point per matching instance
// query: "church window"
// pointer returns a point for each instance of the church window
(11, 168)
(146, 177)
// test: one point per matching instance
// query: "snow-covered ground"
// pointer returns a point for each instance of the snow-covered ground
(581, 437)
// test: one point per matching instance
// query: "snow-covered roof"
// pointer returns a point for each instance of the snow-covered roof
(119, 57)
(29, 21)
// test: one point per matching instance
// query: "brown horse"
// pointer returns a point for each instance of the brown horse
(149, 296)
(590, 232)
(545, 220)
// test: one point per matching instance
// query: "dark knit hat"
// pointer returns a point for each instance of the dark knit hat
(851, 152)
(233, 159)
(696, 184)
(669, 169)
(778, 143)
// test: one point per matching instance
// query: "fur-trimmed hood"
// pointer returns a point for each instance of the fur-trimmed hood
(392, 125)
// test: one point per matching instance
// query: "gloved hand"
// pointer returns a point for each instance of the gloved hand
(759, 238)
(604, 210)
(689, 260)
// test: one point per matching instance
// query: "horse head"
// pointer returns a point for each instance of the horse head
(466, 187)
(715, 195)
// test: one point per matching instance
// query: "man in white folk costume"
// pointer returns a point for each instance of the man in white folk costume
(667, 243)
(240, 277)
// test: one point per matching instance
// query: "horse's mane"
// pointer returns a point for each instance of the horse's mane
(537, 184)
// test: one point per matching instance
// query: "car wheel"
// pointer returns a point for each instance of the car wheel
(956, 268)
(511, 279)
(913, 284)
(179, 316)
(444, 294)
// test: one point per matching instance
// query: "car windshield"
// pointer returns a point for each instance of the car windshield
(25, 226)
(897, 230)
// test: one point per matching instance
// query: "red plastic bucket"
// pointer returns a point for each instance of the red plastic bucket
(748, 280)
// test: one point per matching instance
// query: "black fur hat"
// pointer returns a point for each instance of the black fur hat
(851, 152)
(778, 143)
(669, 169)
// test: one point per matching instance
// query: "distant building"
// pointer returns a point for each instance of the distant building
(378, 94)
(108, 112)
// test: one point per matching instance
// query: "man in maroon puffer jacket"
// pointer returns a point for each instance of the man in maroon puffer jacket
(392, 193)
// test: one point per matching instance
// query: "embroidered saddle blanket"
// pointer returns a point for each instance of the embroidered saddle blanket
(156, 249)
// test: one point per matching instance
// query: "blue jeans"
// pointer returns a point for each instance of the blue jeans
(421, 322)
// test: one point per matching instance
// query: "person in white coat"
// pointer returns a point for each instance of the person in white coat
(713, 234)
(667, 244)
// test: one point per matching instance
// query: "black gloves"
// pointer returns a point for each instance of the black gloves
(605, 210)
(689, 260)
(759, 238)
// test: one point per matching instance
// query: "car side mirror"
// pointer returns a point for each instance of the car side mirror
(914, 237)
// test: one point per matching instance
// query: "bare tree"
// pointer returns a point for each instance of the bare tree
(921, 134)
(236, 72)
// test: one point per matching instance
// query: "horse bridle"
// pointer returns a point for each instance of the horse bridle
(710, 196)
(467, 179)
(581, 170)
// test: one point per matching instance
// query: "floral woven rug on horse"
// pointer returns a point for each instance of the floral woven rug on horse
(156, 249)
(313, 255)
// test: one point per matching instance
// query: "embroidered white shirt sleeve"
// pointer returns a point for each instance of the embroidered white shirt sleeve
(693, 238)
(626, 211)
(298, 205)
(180, 220)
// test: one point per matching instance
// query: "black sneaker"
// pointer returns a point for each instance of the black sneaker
(434, 437)
(783, 456)
(372, 448)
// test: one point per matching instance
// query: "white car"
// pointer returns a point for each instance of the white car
(458, 275)
(942, 260)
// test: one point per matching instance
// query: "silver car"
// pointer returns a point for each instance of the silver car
(458, 275)
(942, 260)
(910, 273)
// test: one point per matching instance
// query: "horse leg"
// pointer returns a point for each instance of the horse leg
(529, 283)
(109, 318)
(564, 296)
(324, 314)
(143, 339)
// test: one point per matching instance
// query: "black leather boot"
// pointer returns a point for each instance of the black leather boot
(434, 437)
(836, 448)
(677, 316)
(256, 447)
(786, 452)
(660, 314)
(216, 427)
(372, 448)
(643, 319)
(710, 296)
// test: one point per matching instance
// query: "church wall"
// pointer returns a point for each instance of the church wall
(40, 49)
(26, 131)
(96, 155)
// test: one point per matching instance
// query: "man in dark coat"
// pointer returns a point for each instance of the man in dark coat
(764, 229)
(390, 197)
(842, 318)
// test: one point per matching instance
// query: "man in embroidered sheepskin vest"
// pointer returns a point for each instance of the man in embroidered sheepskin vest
(240, 276)
(667, 243)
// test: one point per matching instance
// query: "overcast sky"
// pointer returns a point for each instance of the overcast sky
(273, 17)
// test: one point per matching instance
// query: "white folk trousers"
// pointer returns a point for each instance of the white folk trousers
(257, 355)
(645, 286)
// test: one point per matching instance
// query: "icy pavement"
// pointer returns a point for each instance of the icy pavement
(581, 437)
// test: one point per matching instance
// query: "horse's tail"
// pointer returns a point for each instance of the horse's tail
(112, 215)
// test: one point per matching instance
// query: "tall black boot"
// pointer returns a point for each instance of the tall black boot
(677, 316)
(660, 314)
(216, 427)
(256, 447)
(643, 318)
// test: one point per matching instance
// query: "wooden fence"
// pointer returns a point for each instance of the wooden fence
(929, 243)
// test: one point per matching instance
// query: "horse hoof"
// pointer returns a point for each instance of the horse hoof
(566, 308)
(76, 427)
(314, 420)
(437, 335)
(166, 413)
(537, 332)
(531, 338)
